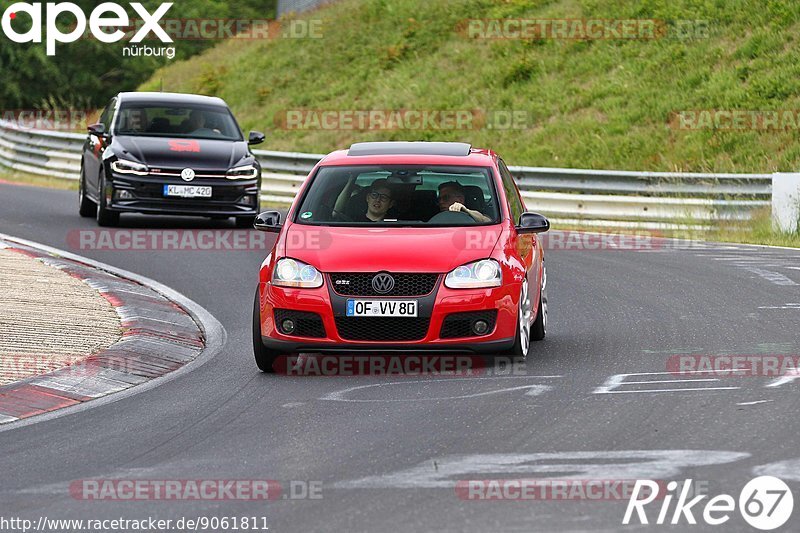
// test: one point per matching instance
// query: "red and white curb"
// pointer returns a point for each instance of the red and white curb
(162, 332)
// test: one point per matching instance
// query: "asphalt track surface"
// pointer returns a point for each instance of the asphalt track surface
(390, 461)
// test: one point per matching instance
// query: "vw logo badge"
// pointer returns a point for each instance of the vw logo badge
(383, 283)
(187, 174)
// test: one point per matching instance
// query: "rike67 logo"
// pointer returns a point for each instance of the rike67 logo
(765, 503)
(103, 22)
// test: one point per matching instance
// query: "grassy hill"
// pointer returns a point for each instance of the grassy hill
(589, 103)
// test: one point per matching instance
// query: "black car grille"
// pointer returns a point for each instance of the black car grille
(460, 324)
(360, 284)
(306, 324)
(382, 328)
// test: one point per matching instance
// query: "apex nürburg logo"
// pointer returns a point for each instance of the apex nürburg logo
(102, 23)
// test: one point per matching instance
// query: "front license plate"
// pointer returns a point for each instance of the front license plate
(187, 191)
(382, 308)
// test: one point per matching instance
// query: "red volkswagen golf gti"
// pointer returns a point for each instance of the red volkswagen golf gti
(403, 247)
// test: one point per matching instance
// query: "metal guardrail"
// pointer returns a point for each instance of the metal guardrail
(589, 197)
(298, 6)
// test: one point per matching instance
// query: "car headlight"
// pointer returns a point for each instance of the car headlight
(242, 173)
(122, 166)
(483, 273)
(293, 273)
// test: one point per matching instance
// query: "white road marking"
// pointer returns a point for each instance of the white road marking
(444, 472)
(773, 277)
(786, 378)
(784, 306)
(788, 470)
(616, 381)
(754, 403)
(533, 390)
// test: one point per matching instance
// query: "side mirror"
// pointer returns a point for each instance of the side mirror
(268, 221)
(255, 137)
(97, 129)
(532, 223)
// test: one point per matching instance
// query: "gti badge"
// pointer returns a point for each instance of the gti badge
(187, 174)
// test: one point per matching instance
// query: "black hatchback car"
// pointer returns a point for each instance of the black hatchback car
(171, 154)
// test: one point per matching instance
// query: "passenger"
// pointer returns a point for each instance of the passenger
(379, 198)
(452, 198)
(379, 201)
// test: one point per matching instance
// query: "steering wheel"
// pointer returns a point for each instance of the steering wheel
(450, 217)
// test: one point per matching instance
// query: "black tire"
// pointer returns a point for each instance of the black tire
(105, 217)
(265, 358)
(245, 222)
(86, 207)
(539, 326)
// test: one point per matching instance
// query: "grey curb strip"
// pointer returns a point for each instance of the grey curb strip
(212, 330)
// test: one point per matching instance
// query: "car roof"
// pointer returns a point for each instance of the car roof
(411, 153)
(170, 98)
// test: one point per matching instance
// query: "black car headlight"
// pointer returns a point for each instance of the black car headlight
(121, 166)
(242, 173)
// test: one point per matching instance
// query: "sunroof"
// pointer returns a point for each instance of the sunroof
(410, 148)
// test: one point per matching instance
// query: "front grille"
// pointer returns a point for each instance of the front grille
(460, 324)
(382, 328)
(306, 324)
(222, 192)
(360, 284)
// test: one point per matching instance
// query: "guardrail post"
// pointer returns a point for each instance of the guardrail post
(785, 201)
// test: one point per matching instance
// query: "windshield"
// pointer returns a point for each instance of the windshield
(183, 121)
(400, 195)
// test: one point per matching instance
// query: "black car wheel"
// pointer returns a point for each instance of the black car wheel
(86, 207)
(265, 358)
(105, 217)
(245, 222)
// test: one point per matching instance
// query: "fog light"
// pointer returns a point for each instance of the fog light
(249, 200)
(122, 194)
(287, 326)
(480, 327)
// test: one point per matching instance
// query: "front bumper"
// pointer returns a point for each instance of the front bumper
(435, 307)
(145, 195)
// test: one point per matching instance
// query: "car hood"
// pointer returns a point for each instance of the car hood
(364, 249)
(198, 154)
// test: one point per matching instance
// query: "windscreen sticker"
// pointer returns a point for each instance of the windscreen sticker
(306, 215)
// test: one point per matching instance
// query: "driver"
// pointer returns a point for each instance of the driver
(196, 124)
(452, 198)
